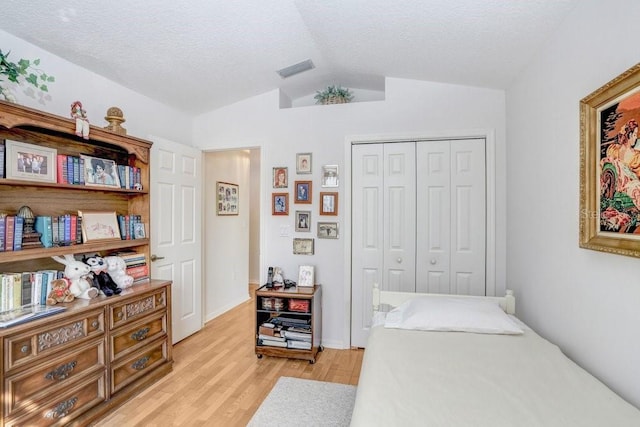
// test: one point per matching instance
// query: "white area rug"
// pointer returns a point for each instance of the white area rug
(297, 402)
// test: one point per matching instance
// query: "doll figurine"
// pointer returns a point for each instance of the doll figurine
(82, 122)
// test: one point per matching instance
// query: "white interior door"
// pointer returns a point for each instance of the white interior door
(176, 221)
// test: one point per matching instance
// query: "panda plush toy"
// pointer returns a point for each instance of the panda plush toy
(101, 278)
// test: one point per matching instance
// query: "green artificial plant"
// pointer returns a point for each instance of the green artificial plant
(23, 71)
(333, 95)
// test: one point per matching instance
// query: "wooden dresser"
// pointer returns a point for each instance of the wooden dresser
(73, 367)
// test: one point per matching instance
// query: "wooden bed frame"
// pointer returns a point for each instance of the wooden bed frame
(394, 299)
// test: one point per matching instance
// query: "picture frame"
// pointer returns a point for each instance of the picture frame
(20, 158)
(328, 230)
(139, 231)
(330, 176)
(280, 177)
(306, 275)
(97, 225)
(609, 210)
(100, 172)
(303, 192)
(303, 221)
(280, 203)
(227, 198)
(302, 246)
(329, 203)
(303, 163)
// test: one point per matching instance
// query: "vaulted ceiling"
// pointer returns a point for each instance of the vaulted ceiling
(199, 55)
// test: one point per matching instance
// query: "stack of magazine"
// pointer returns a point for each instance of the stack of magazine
(27, 313)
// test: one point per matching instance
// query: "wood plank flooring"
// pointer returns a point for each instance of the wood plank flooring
(217, 380)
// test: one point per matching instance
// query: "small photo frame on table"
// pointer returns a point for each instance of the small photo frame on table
(280, 177)
(303, 163)
(303, 192)
(328, 230)
(302, 246)
(99, 226)
(303, 221)
(328, 203)
(280, 203)
(330, 176)
(227, 198)
(29, 162)
(306, 276)
(100, 172)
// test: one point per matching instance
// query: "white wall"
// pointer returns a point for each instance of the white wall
(226, 256)
(143, 115)
(410, 107)
(585, 301)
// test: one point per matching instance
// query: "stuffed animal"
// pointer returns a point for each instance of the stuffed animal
(77, 273)
(101, 279)
(117, 269)
(59, 292)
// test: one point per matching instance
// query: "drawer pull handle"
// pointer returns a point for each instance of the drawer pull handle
(24, 349)
(140, 334)
(141, 363)
(61, 372)
(120, 314)
(95, 324)
(62, 409)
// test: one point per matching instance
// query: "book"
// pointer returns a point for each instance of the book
(141, 271)
(272, 343)
(27, 313)
(76, 170)
(301, 345)
(2, 222)
(271, 337)
(297, 336)
(43, 225)
(9, 224)
(2, 156)
(82, 171)
(70, 170)
(26, 288)
(18, 228)
(61, 176)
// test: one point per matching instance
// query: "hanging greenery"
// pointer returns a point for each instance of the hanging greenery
(333, 95)
(22, 71)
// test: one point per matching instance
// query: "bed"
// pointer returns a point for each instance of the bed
(435, 360)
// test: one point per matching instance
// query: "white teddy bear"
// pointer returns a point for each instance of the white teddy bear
(117, 269)
(77, 273)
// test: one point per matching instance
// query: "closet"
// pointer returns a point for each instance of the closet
(418, 221)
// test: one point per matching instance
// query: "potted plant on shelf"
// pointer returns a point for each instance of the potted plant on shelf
(333, 95)
(23, 71)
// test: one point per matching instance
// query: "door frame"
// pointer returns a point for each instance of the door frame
(490, 147)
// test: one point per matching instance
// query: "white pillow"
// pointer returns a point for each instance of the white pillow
(451, 314)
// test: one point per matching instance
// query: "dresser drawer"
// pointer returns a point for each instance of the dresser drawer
(66, 405)
(137, 308)
(137, 335)
(50, 340)
(138, 364)
(28, 386)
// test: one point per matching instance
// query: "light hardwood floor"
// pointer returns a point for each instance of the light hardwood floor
(217, 380)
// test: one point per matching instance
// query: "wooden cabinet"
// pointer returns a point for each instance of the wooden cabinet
(296, 314)
(73, 367)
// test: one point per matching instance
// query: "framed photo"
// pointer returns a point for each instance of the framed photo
(328, 203)
(100, 172)
(305, 276)
(227, 198)
(280, 177)
(302, 246)
(139, 231)
(29, 162)
(280, 203)
(303, 163)
(303, 221)
(609, 166)
(99, 226)
(330, 175)
(303, 192)
(328, 230)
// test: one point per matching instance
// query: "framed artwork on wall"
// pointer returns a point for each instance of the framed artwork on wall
(280, 177)
(330, 175)
(610, 166)
(328, 230)
(227, 199)
(303, 163)
(302, 246)
(280, 203)
(303, 191)
(303, 221)
(328, 203)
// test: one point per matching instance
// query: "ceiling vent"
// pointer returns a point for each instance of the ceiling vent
(294, 69)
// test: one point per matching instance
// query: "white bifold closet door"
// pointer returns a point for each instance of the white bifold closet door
(418, 221)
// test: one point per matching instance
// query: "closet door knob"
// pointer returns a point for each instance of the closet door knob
(433, 261)
(399, 260)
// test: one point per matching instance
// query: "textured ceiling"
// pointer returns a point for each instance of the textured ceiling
(198, 55)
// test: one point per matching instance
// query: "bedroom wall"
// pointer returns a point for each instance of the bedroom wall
(584, 301)
(143, 115)
(410, 107)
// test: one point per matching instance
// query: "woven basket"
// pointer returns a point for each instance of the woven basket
(335, 100)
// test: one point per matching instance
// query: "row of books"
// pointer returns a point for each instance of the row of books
(136, 265)
(131, 227)
(11, 228)
(27, 288)
(59, 230)
(274, 334)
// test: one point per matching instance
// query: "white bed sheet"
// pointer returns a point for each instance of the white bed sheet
(420, 378)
